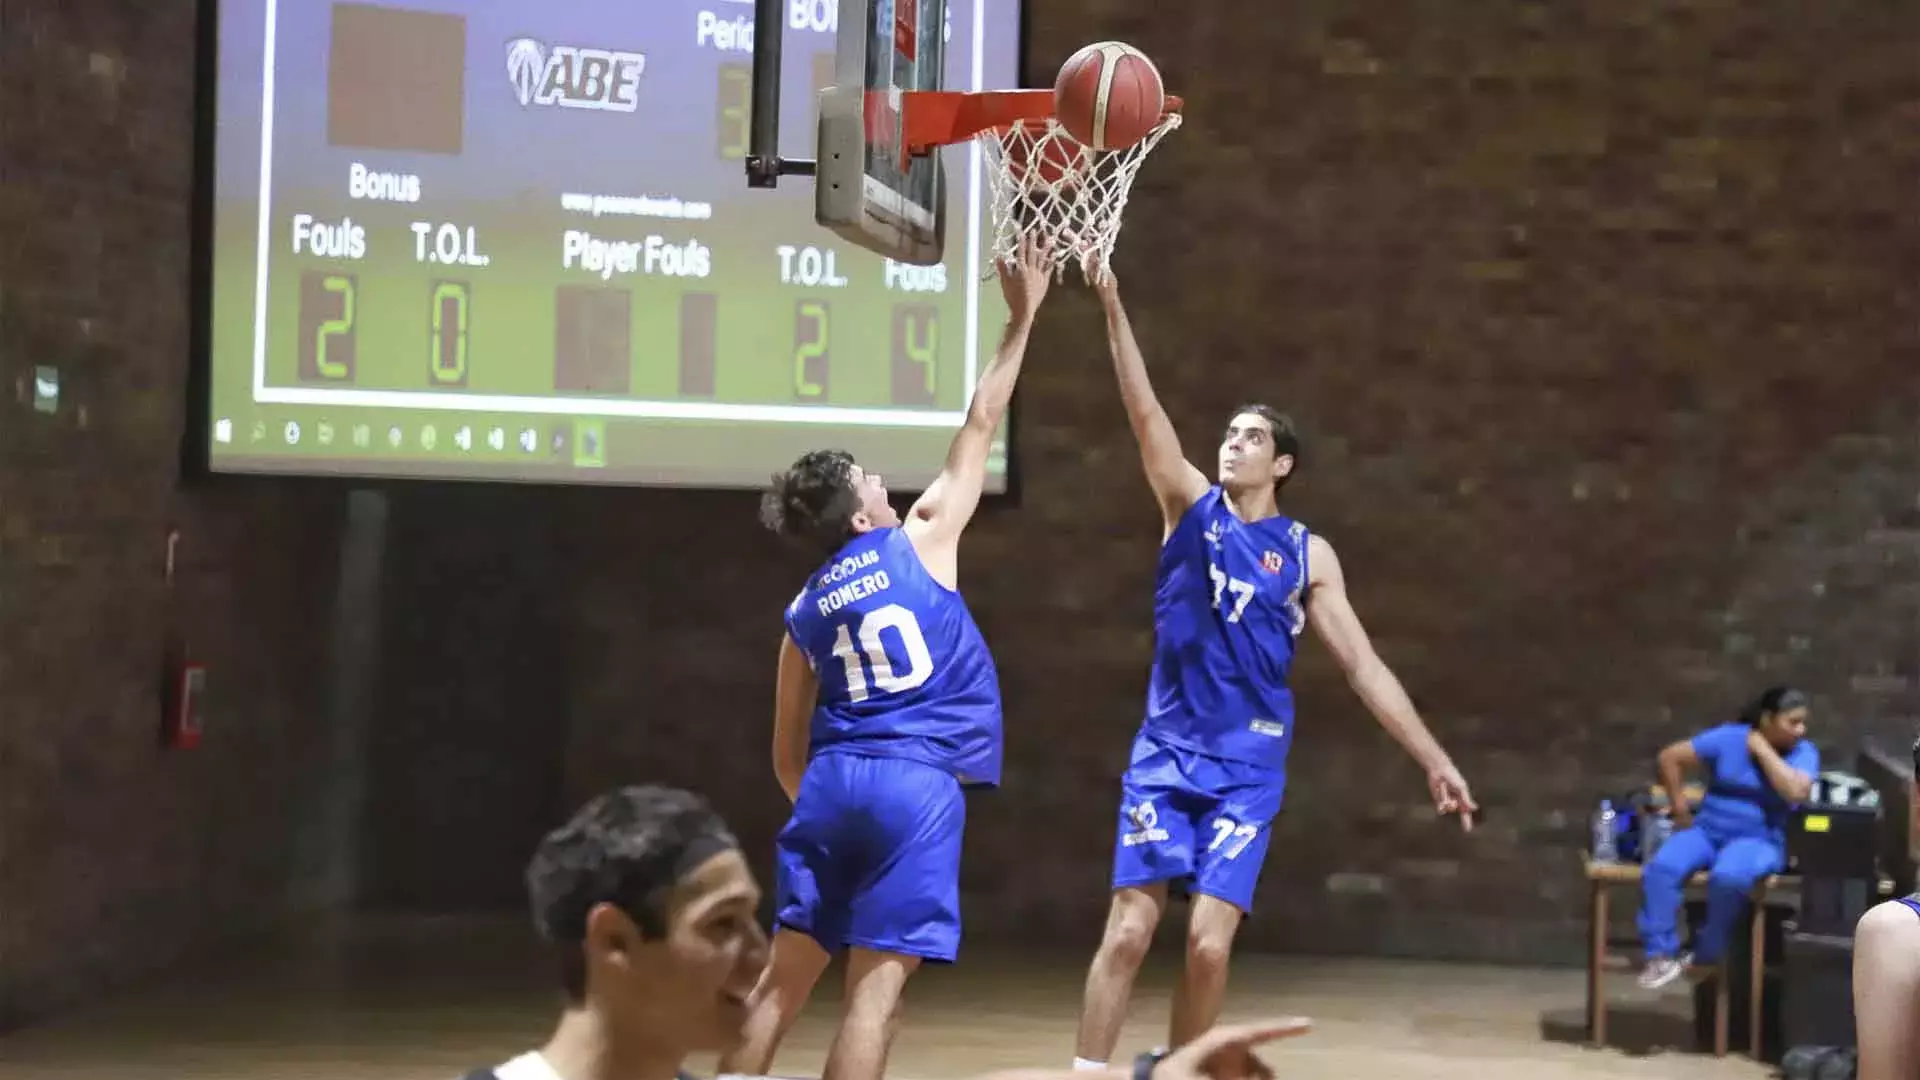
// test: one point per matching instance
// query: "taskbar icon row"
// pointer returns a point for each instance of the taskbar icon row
(580, 440)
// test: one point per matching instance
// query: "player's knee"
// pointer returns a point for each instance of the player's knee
(1208, 950)
(1129, 936)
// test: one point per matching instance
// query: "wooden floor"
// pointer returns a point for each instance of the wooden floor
(428, 999)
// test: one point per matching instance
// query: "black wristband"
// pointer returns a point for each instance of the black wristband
(1143, 1065)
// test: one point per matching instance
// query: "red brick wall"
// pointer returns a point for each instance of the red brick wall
(116, 858)
(1603, 324)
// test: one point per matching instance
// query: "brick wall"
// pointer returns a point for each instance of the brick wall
(114, 857)
(1602, 322)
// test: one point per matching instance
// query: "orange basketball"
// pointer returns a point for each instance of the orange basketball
(1058, 157)
(1109, 95)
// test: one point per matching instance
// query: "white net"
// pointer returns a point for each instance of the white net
(1051, 187)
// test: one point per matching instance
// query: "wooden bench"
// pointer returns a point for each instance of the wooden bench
(1602, 879)
(1774, 889)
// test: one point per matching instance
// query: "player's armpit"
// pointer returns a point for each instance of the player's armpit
(949, 502)
(943, 511)
(1330, 612)
(796, 688)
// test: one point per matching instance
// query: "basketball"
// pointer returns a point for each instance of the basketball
(1109, 95)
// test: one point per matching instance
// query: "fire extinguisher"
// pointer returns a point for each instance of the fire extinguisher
(184, 680)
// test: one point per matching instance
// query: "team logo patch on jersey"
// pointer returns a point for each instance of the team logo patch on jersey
(1146, 825)
(1271, 562)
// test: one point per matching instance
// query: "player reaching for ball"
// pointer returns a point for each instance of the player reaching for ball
(1237, 583)
(887, 706)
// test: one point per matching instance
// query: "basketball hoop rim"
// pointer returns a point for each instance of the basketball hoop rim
(935, 118)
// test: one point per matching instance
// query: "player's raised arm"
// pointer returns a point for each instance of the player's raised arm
(1177, 484)
(1331, 614)
(795, 690)
(936, 520)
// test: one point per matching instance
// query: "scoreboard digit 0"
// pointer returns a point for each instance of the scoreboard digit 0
(450, 306)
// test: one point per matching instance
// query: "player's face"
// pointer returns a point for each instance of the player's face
(872, 493)
(1247, 458)
(1784, 729)
(690, 989)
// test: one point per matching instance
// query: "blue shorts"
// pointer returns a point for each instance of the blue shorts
(871, 857)
(1199, 820)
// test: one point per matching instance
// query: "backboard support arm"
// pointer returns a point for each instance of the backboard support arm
(765, 166)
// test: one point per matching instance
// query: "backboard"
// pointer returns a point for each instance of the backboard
(867, 188)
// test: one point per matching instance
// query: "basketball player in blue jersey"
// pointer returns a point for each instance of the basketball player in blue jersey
(887, 706)
(1237, 584)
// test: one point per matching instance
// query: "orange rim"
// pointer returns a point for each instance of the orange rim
(931, 118)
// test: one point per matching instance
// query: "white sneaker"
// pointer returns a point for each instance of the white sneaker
(1661, 971)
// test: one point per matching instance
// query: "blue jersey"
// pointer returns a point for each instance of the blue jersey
(903, 669)
(1227, 611)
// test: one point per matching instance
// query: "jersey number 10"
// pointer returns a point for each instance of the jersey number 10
(850, 644)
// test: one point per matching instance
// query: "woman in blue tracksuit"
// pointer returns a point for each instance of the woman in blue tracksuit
(1758, 769)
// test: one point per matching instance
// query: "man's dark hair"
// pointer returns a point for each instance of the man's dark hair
(626, 848)
(1286, 436)
(1916, 761)
(812, 504)
(1774, 699)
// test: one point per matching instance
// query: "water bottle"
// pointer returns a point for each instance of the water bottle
(1657, 831)
(1606, 847)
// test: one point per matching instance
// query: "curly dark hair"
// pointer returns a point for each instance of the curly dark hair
(812, 504)
(1286, 436)
(626, 848)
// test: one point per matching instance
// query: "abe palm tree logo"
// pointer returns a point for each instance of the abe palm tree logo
(526, 63)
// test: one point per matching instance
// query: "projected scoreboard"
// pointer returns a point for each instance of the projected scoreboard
(512, 240)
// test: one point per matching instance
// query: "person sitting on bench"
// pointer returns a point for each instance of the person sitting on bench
(1758, 769)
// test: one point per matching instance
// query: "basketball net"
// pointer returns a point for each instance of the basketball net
(1050, 187)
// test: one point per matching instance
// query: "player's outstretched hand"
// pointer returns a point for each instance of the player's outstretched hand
(1451, 796)
(1024, 278)
(1098, 272)
(1104, 282)
(1226, 1052)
